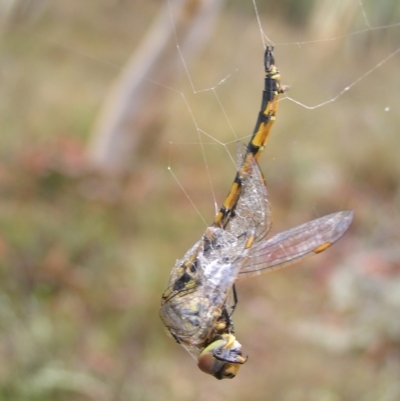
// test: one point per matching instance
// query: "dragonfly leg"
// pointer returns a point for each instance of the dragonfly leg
(235, 299)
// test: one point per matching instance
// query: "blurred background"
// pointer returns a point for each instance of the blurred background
(96, 104)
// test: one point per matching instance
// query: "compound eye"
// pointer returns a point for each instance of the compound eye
(211, 365)
(219, 369)
(222, 358)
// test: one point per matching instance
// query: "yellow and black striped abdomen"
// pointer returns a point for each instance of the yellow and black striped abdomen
(259, 138)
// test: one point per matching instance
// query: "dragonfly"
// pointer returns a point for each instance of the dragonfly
(200, 298)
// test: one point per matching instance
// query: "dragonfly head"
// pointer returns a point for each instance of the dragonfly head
(222, 358)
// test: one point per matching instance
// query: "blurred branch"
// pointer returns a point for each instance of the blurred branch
(20, 11)
(132, 112)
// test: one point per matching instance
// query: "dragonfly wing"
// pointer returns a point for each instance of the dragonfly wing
(225, 249)
(291, 246)
(199, 285)
(219, 264)
(252, 211)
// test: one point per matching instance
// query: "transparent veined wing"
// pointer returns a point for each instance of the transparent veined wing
(253, 210)
(222, 258)
(293, 245)
(203, 279)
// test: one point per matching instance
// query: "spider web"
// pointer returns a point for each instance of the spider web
(342, 65)
(333, 122)
(330, 148)
(334, 145)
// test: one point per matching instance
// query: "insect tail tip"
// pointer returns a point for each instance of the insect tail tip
(269, 59)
